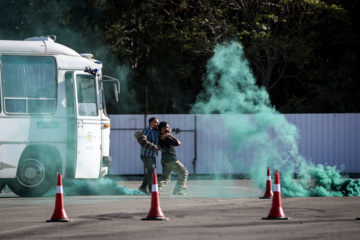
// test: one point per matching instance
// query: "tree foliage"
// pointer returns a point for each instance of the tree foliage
(304, 52)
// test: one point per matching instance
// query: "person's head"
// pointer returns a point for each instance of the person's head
(164, 127)
(154, 123)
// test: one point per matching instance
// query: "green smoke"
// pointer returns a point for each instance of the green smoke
(103, 186)
(259, 132)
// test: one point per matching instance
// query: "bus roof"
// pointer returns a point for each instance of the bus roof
(35, 46)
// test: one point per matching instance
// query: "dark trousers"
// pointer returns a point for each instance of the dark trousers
(150, 166)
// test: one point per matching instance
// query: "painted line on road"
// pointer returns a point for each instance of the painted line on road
(30, 227)
(24, 228)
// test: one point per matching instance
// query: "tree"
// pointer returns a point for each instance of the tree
(298, 49)
(167, 44)
(331, 82)
(283, 38)
(283, 41)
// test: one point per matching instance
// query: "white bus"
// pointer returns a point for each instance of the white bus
(52, 116)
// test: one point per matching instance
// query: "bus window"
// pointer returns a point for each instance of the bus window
(69, 82)
(29, 84)
(86, 95)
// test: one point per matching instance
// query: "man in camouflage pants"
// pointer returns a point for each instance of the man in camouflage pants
(169, 161)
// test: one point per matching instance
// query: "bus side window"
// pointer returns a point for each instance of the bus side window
(28, 84)
(69, 85)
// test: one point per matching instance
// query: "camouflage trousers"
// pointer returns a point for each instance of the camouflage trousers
(179, 169)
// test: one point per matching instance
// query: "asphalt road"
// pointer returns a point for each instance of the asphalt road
(227, 209)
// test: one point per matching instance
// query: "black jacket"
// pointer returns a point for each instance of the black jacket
(168, 153)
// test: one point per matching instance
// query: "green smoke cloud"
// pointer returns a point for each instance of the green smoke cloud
(103, 186)
(259, 131)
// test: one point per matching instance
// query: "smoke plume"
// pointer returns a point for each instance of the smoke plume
(261, 132)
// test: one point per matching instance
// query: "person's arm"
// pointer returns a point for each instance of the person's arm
(142, 139)
(173, 139)
(177, 140)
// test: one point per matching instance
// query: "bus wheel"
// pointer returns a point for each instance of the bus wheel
(2, 185)
(32, 178)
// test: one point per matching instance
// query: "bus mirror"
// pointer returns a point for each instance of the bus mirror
(116, 85)
(116, 93)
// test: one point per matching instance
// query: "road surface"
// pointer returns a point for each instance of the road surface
(226, 209)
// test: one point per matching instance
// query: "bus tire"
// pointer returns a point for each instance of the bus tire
(2, 185)
(34, 177)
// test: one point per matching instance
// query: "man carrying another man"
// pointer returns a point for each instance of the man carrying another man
(148, 155)
(150, 141)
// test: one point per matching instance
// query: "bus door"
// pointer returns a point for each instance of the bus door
(88, 126)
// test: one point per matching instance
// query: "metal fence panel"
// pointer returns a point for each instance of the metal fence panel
(331, 139)
(125, 150)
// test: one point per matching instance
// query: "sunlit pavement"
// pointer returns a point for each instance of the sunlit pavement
(228, 209)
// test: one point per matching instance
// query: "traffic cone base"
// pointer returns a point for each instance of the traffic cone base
(357, 218)
(265, 197)
(155, 218)
(59, 216)
(58, 220)
(276, 218)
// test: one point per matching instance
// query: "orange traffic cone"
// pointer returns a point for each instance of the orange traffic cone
(59, 214)
(155, 212)
(276, 211)
(268, 192)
